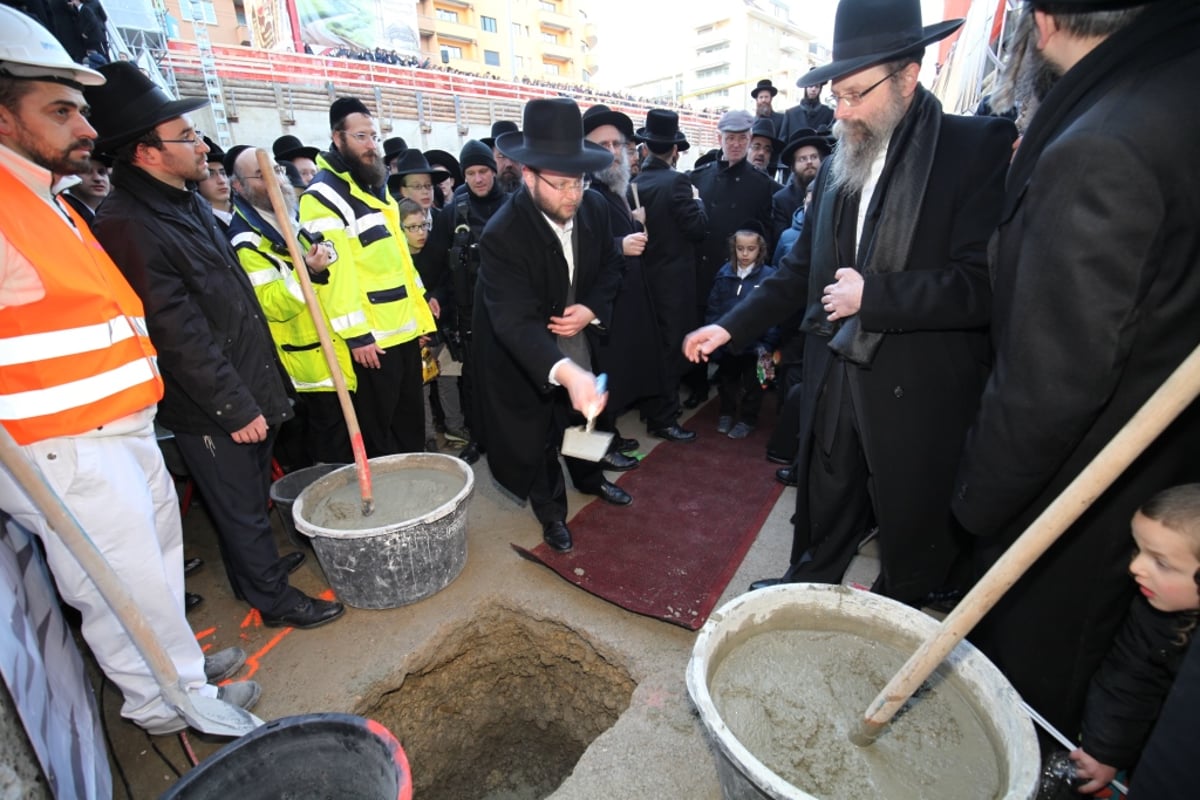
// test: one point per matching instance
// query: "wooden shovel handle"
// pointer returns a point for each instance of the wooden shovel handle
(267, 167)
(1175, 395)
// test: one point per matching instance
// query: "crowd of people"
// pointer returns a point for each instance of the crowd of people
(953, 319)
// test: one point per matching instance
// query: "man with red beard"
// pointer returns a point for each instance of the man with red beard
(890, 277)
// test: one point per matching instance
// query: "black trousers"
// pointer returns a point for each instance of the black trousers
(388, 402)
(548, 495)
(325, 432)
(839, 487)
(235, 480)
(737, 379)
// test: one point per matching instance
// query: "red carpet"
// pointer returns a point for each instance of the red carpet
(696, 510)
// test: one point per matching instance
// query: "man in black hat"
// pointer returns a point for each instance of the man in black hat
(764, 147)
(414, 177)
(634, 370)
(810, 112)
(676, 221)
(733, 191)
(549, 268)
(290, 148)
(764, 95)
(508, 172)
(802, 157)
(393, 148)
(374, 296)
(1097, 283)
(890, 277)
(226, 393)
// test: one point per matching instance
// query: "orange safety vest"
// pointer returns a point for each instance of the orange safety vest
(80, 357)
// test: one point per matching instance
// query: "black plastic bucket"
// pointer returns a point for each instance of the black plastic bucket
(285, 491)
(309, 756)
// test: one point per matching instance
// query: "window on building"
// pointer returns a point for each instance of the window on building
(491, 57)
(452, 51)
(547, 5)
(712, 95)
(549, 36)
(518, 62)
(550, 68)
(713, 48)
(488, 24)
(712, 72)
(446, 15)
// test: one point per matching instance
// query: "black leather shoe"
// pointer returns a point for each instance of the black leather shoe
(556, 535)
(310, 612)
(674, 434)
(765, 582)
(191, 601)
(695, 400)
(609, 492)
(786, 476)
(616, 461)
(626, 445)
(190, 565)
(293, 561)
(775, 458)
(470, 453)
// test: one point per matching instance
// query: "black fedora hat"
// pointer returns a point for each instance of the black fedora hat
(130, 104)
(601, 114)
(215, 154)
(393, 147)
(558, 143)
(440, 158)
(803, 137)
(288, 147)
(662, 127)
(765, 83)
(231, 156)
(411, 162)
(764, 126)
(499, 128)
(870, 32)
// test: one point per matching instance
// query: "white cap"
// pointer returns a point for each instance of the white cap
(27, 50)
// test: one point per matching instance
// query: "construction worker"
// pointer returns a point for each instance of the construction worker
(79, 385)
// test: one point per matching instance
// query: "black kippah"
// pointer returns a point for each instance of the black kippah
(344, 107)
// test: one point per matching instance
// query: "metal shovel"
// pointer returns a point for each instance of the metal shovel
(581, 441)
(206, 714)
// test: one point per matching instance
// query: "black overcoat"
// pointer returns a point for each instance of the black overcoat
(523, 281)
(920, 393)
(1097, 301)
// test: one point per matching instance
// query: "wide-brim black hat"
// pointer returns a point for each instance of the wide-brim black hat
(393, 147)
(601, 114)
(215, 154)
(129, 104)
(411, 162)
(805, 137)
(288, 147)
(231, 157)
(440, 158)
(553, 139)
(764, 126)
(765, 83)
(870, 32)
(662, 127)
(499, 128)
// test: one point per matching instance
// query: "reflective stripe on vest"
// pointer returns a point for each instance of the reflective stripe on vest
(80, 357)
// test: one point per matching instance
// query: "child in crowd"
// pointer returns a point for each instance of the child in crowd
(1127, 692)
(416, 230)
(737, 373)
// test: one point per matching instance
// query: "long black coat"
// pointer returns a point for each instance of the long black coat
(732, 195)
(523, 281)
(675, 223)
(634, 369)
(921, 391)
(1097, 300)
(803, 115)
(218, 360)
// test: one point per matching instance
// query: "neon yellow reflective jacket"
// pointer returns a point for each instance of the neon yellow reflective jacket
(373, 292)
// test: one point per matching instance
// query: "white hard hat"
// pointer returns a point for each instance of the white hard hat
(27, 50)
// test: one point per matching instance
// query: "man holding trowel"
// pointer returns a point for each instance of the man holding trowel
(79, 385)
(549, 269)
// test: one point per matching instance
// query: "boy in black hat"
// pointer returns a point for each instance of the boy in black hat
(290, 149)
(549, 270)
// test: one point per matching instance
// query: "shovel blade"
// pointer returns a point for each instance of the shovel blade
(210, 715)
(580, 443)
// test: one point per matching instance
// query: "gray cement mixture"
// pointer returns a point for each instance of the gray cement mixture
(793, 698)
(400, 496)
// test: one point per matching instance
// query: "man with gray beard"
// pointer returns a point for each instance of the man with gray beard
(890, 275)
(635, 370)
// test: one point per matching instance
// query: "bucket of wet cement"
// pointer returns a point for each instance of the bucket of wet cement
(413, 545)
(285, 491)
(313, 755)
(782, 676)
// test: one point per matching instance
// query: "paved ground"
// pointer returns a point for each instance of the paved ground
(656, 747)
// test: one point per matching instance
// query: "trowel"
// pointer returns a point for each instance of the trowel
(581, 441)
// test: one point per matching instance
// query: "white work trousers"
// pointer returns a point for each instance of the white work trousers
(120, 491)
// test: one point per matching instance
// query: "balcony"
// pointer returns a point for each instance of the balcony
(559, 52)
(554, 20)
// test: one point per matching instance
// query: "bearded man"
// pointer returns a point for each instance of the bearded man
(372, 293)
(890, 276)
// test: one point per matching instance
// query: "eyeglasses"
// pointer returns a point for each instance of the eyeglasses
(420, 187)
(278, 169)
(566, 187)
(362, 137)
(420, 226)
(196, 137)
(854, 99)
